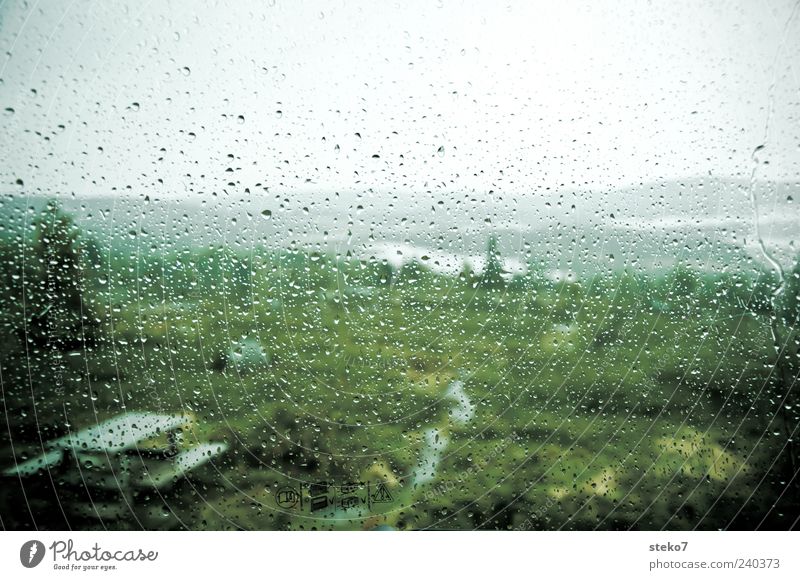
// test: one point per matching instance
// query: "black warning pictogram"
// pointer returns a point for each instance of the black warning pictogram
(381, 494)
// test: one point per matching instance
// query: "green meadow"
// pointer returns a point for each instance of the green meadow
(619, 400)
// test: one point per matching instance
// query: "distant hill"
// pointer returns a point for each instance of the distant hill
(702, 222)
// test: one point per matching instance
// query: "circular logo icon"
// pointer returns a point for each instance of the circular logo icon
(287, 497)
(31, 553)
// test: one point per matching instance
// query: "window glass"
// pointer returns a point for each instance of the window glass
(413, 266)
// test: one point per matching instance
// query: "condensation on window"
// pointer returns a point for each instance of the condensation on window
(280, 266)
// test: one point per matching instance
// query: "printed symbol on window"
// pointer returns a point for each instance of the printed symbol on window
(320, 488)
(351, 487)
(349, 501)
(352, 494)
(381, 494)
(319, 496)
(287, 497)
(319, 503)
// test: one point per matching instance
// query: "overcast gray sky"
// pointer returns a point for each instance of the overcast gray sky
(455, 96)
